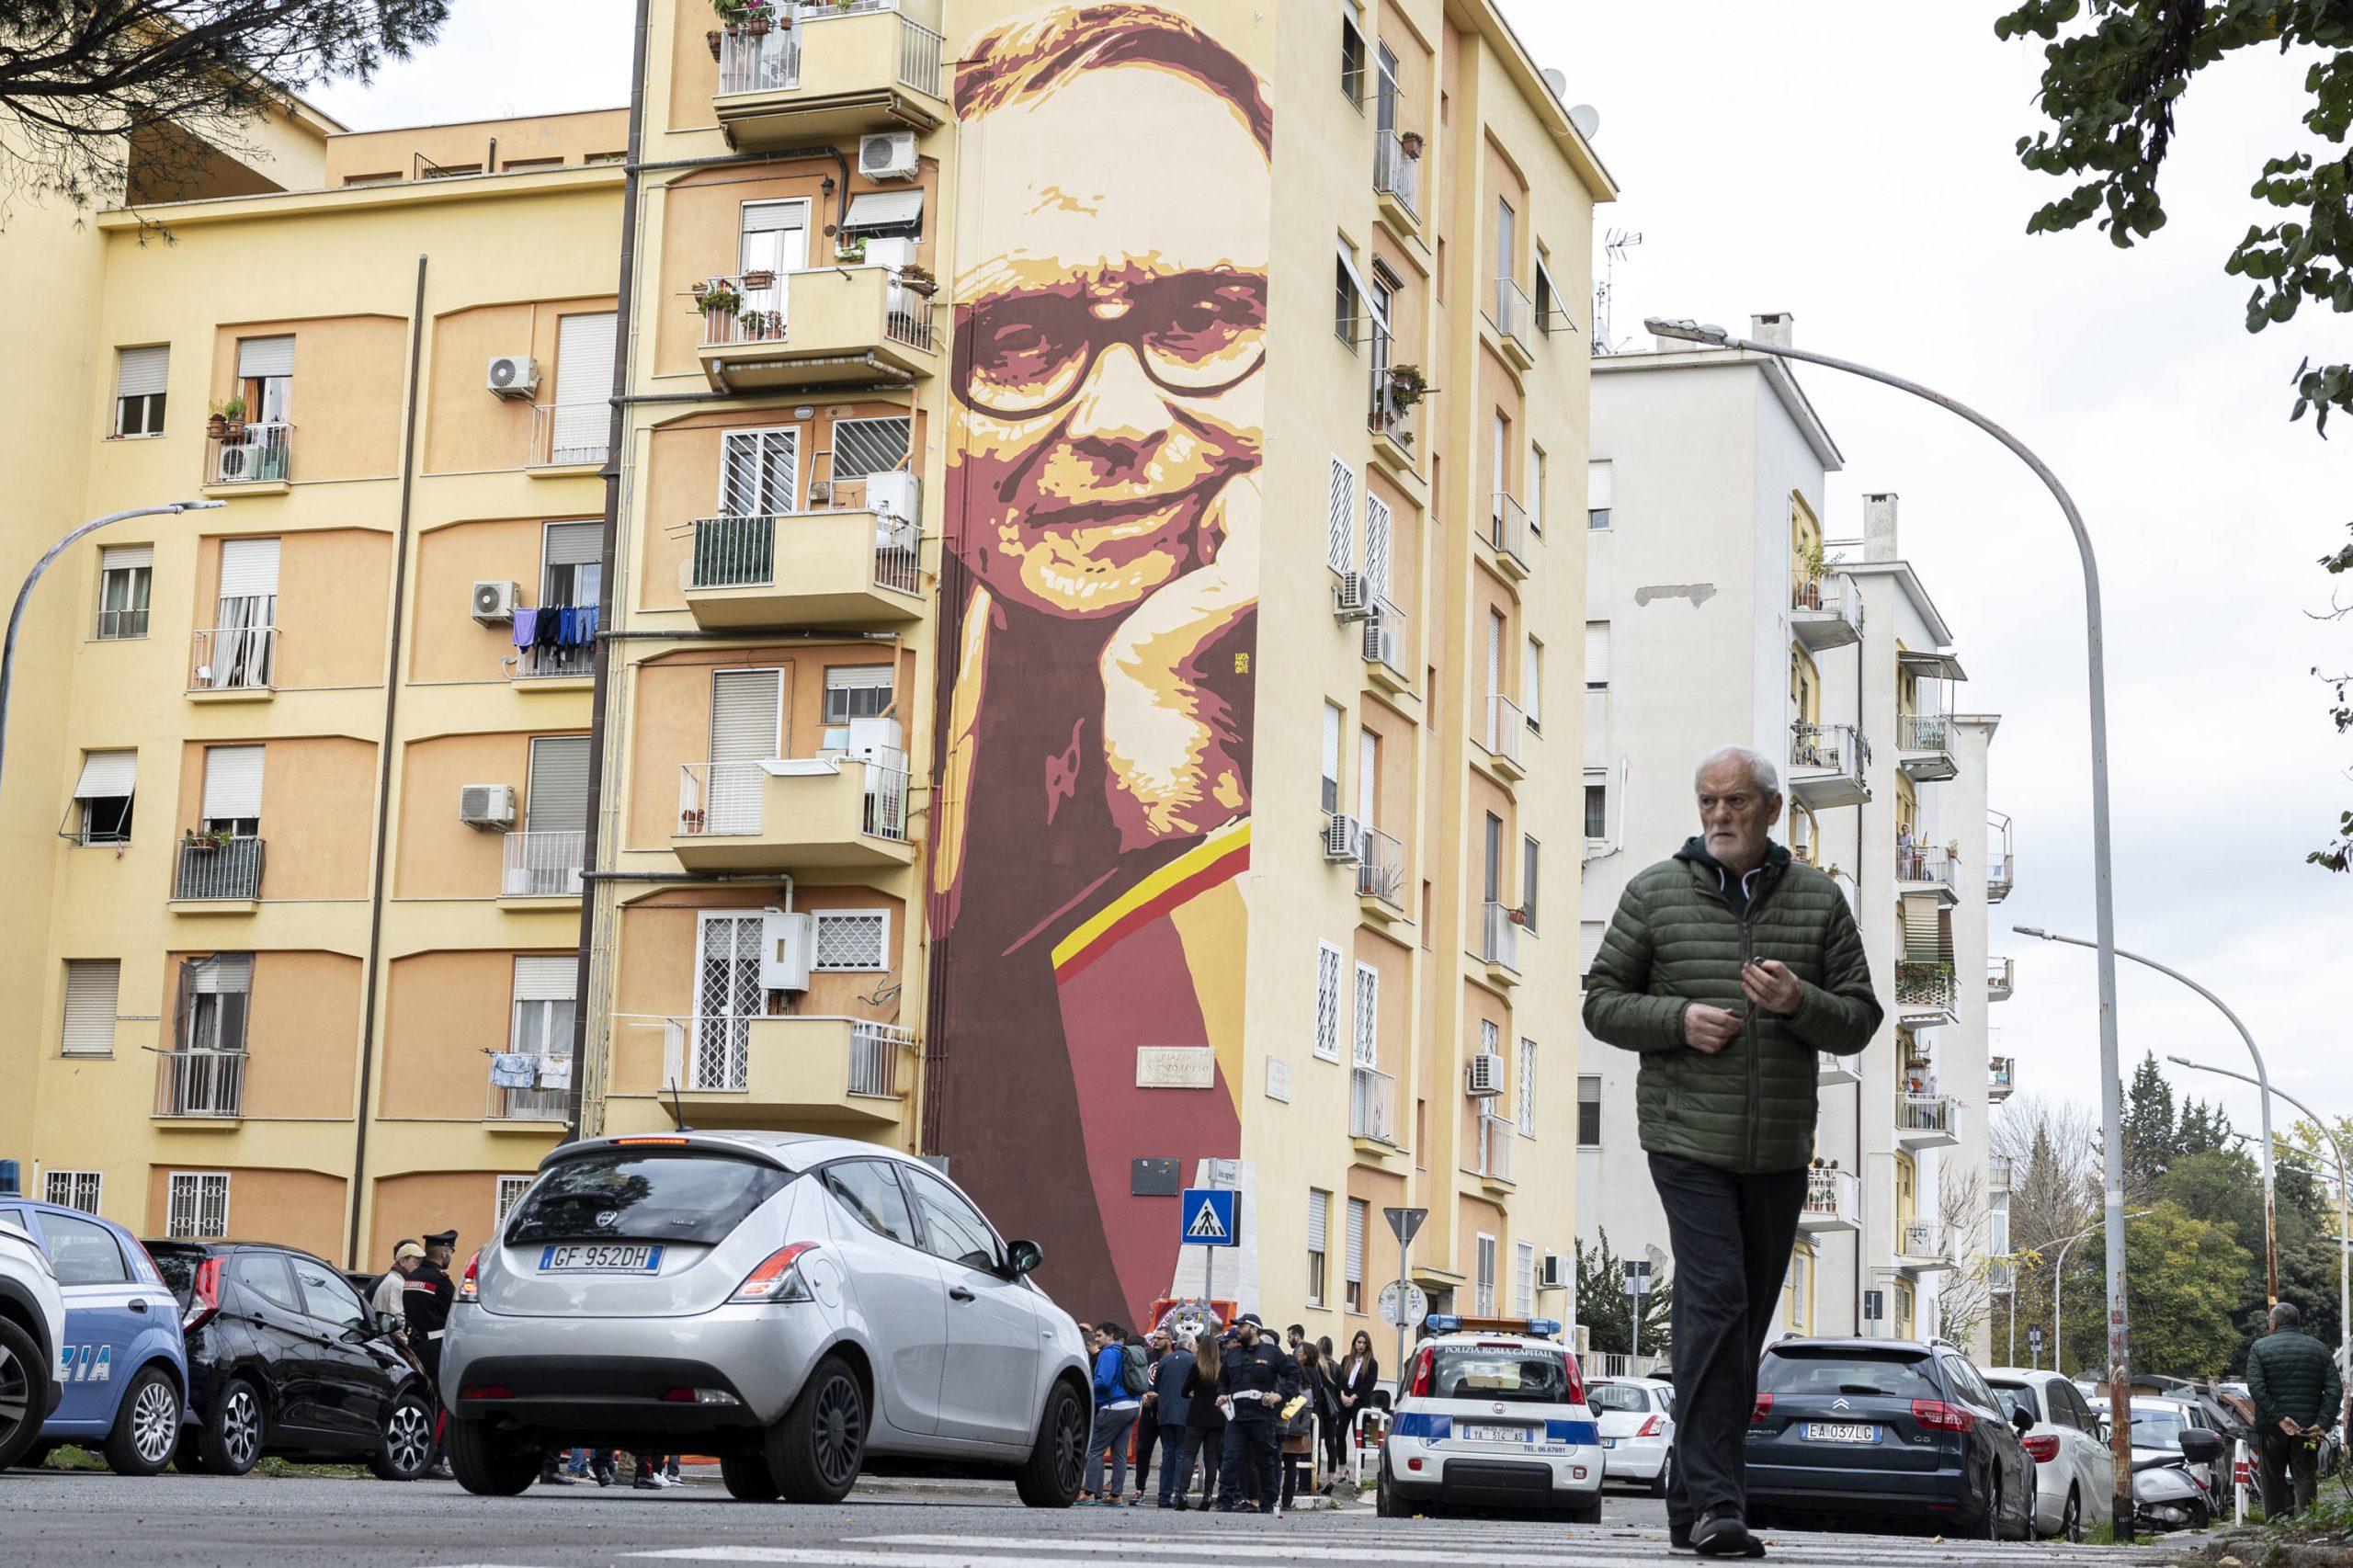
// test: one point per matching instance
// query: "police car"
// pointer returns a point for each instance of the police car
(1491, 1414)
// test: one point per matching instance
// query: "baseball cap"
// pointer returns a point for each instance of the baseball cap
(405, 1251)
(1250, 1318)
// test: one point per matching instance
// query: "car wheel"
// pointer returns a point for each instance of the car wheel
(1585, 1513)
(24, 1392)
(146, 1426)
(2071, 1518)
(1666, 1474)
(816, 1449)
(407, 1447)
(1994, 1509)
(486, 1466)
(1051, 1476)
(1385, 1503)
(748, 1478)
(232, 1437)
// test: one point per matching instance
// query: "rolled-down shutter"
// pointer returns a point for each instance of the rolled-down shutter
(575, 544)
(107, 774)
(260, 356)
(92, 987)
(1596, 652)
(743, 708)
(1589, 944)
(124, 557)
(249, 568)
(1600, 481)
(1922, 927)
(559, 786)
(1357, 1211)
(222, 974)
(141, 373)
(546, 977)
(231, 782)
(584, 359)
(1319, 1214)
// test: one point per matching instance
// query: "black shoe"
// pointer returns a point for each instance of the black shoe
(555, 1478)
(1720, 1533)
(440, 1472)
(605, 1477)
(646, 1483)
(1678, 1537)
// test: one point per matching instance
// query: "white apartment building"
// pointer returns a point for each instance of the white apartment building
(1717, 613)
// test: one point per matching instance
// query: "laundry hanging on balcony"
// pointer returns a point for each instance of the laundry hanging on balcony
(513, 1069)
(526, 627)
(557, 626)
(554, 1072)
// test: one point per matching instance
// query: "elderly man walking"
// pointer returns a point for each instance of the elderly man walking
(2298, 1395)
(1725, 970)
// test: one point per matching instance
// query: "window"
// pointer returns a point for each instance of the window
(952, 1229)
(857, 691)
(1352, 1267)
(325, 1297)
(853, 939)
(266, 1276)
(759, 472)
(1597, 485)
(1552, 305)
(510, 1192)
(1368, 776)
(1368, 1037)
(1527, 855)
(1596, 655)
(233, 782)
(1532, 685)
(266, 367)
(541, 1029)
(138, 377)
(1523, 1278)
(1330, 797)
(198, 1205)
(1352, 56)
(1499, 458)
(74, 1189)
(1343, 512)
(1507, 240)
(207, 1071)
(124, 578)
(84, 1252)
(1491, 886)
(1484, 1294)
(863, 447)
(1526, 1087)
(1590, 1111)
(1328, 1002)
(1597, 808)
(1800, 1290)
(102, 796)
(1349, 297)
(237, 652)
(520, 166)
(580, 423)
(1319, 1215)
(872, 1194)
(1535, 488)
(884, 214)
(92, 987)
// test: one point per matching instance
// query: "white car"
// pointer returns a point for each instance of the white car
(1491, 1414)
(32, 1331)
(2075, 1477)
(1637, 1420)
(2157, 1427)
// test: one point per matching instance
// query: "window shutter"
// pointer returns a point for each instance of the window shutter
(1344, 506)
(1596, 653)
(743, 714)
(92, 987)
(1368, 774)
(1328, 1002)
(1357, 1209)
(584, 357)
(1376, 544)
(774, 217)
(259, 357)
(1532, 682)
(559, 786)
(574, 544)
(124, 557)
(1331, 757)
(1922, 935)
(222, 974)
(1600, 479)
(1367, 1042)
(1528, 1087)
(859, 678)
(1319, 1214)
(231, 782)
(546, 977)
(248, 568)
(139, 372)
(883, 209)
(1529, 851)
(107, 774)
(1495, 668)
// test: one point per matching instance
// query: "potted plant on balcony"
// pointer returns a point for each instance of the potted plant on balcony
(204, 840)
(1407, 385)
(227, 422)
(760, 280)
(715, 296)
(1410, 143)
(918, 278)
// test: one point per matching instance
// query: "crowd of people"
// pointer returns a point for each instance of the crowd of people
(1246, 1416)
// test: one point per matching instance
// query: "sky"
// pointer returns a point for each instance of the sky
(1853, 164)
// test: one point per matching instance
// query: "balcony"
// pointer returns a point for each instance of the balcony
(1505, 741)
(1388, 658)
(1507, 535)
(1924, 747)
(824, 568)
(841, 69)
(1380, 875)
(1827, 612)
(1927, 1121)
(1997, 858)
(559, 668)
(570, 435)
(1927, 992)
(1831, 1069)
(542, 865)
(1997, 1173)
(2001, 1077)
(1999, 974)
(1827, 764)
(250, 456)
(1923, 869)
(813, 329)
(1513, 319)
(1373, 1107)
(1397, 181)
(1499, 943)
(217, 873)
(845, 1075)
(535, 1107)
(201, 1085)
(1832, 1202)
(233, 662)
(1391, 411)
(788, 813)
(1496, 1135)
(1922, 1247)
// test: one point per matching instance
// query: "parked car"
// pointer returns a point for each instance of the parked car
(121, 1371)
(32, 1327)
(2157, 1429)
(1637, 1420)
(1493, 1415)
(1888, 1431)
(803, 1307)
(284, 1359)
(2075, 1475)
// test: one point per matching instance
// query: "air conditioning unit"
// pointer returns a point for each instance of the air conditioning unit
(1483, 1078)
(494, 602)
(244, 461)
(1380, 642)
(896, 494)
(1556, 1276)
(490, 807)
(887, 155)
(513, 375)
(787, 950)
(1344, 840)
(1352, 597)
(880, 738)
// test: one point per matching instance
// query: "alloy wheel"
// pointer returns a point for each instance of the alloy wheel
(1070, 1446)
(408, 1437)
(2071, 1523)
(241, 1427)
(15, 1393)
(841, 1431)
(155, 1422)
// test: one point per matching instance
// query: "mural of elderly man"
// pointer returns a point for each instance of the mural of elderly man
(1102, 516)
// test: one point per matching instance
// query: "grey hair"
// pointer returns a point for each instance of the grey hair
(1761, 771)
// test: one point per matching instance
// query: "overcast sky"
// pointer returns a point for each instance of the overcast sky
(1857, 170)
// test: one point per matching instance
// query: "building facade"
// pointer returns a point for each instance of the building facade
(1720, 613)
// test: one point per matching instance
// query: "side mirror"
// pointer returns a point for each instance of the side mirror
(1021, 1258)
(2023, 1421)
(390, 1323)
(2200, 1445)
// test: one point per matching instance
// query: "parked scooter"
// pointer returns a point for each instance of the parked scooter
(2167, 1494)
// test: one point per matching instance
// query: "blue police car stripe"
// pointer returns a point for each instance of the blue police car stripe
(1585, 1432)
(1420, 1424)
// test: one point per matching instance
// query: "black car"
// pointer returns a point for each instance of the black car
(1892, 1432)
(284, 1358)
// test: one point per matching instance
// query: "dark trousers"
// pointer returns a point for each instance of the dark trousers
(1175, 1464)
(1147, 1439)
(1337, 1433)
(1205, 1447)
(1299, 1476)
(1732, 1236)
(1253, 1469)
(2285, 1467)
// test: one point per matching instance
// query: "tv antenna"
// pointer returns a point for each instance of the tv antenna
(1614, 246)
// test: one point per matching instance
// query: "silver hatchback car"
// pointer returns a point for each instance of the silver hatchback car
(803, 1307)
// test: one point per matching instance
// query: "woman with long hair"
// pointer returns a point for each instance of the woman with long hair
(1204, 1422)
(1356, 1381)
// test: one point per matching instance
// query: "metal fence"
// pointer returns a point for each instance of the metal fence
(236, 658)
(1496, 1136)
(202, 1082)
(874, 1052)
(210, 869)
(1391, 410)
(1381, 868)
(1394, 174)
(1922, 1239)
(570, 432)
(552, 663)
(1923, 1113)
(1926, 983)
(1508, 527)
(922, 53)
(1512, 313)
(1506, 730)
(1829, 749)
(1384, 638)
(727, 799)
(1830, 1194)
(1923, 863)
(544, 864)
(526, 1105)
(740, 553)
(1499, 935)
(1372, 1104)
(760, 63)
(260, 454)
(1924, 732)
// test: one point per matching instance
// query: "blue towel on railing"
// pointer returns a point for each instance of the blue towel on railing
(527, 624)
(513, 1069)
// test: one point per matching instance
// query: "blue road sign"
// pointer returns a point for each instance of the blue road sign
(1207, 1217)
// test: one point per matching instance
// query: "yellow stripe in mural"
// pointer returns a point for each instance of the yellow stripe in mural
(1224, 841)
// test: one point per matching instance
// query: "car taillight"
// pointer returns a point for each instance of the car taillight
(1764, 1408)
(204, 1296)
(470, 1288)
(1575, 1379)
(1650, 1428)
(1938, 1417)
(2044, 1449)
(778, 1279)
(1421, 1389)
(485, 1391)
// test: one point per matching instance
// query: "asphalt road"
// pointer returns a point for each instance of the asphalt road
(50, 1519)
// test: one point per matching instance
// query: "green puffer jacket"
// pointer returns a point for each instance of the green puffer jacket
(2292, 1374)
(1674, 940)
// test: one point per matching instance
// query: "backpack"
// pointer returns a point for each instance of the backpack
(1131, 1369)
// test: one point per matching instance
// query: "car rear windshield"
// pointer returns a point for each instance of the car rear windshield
(178, 1267)
(1530, 1376)
(1600, 1397)
(2157, 1429)
(2015, 1397)
(1831, 1371)
(670, 1196)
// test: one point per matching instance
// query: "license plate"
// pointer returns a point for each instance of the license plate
(1492, 1434)
(1608, 1442)
(1841, 1432)
(600, 1258)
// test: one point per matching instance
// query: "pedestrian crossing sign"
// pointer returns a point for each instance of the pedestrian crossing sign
(1206, 1217)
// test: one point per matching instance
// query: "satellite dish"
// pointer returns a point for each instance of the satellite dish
(1556, 79)
(1585, 118)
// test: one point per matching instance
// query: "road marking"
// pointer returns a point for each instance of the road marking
(1476, 1551)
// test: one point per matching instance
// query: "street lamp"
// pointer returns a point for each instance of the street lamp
(2058, 1274)
(2111, 1088)
(2262, 1078)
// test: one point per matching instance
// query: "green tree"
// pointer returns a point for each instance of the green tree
(1603, 1305)
(2150, 1134)
(2337, 856)
(2183, 1276)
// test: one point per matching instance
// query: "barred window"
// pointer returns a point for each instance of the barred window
(75, 1189)
(853, 939)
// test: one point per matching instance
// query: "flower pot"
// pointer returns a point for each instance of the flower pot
(756, 24)
(235, 432)
(217, 426)
(711, 38)
(759, 280)
(1410, 143)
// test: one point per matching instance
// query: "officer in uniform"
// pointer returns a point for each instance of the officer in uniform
(1257, 1381)
(426, 1301)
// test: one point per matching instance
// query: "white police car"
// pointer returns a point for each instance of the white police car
(1491, 1414)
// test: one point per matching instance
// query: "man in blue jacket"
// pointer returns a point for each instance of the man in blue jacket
(1119, 1388)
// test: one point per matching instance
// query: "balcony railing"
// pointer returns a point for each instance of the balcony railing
(874, 1052)
(1926, 983)
(740, 553)
(1921, 1239)
(1997, 1173)
(1372, 1106)
(1829, 749)
(225, 868)
(1830, 1197)
(1923, 863)
(1496, 1136)
(241, 658)
(1513, 313)
(1394, 174)
(1924, 732)
(1506, 730)
(1380, 873)
(1499, 936)
(1391, 411)
(544, 864)
(551, 662)
(1384, 639)
(761, 315)
(728, 798)
(565, 433)
(2000, 974)
(717, 1050)
(1923, 1113)
(260, 454)
(1997, 879)
(1826, 611)
(526, 1105)
(200, 1082)
(2001, 1077)
(1507, 528)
